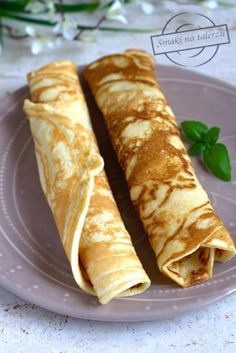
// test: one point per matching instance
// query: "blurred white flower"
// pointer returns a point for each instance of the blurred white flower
(41, 41)
(67, 27)
(147, 7)
(17, 32)
(35, 6)
(211, 4)
(50, 5)
(88, 36)
(115, 12)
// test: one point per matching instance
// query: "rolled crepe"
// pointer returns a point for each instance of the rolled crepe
(102, 257)
(182, 226)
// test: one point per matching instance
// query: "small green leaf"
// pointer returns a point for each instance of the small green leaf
(91, 6)
(212, 136)
(217, 160)
(197, 148)
(194, 130)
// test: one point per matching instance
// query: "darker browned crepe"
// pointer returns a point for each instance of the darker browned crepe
(186, 234)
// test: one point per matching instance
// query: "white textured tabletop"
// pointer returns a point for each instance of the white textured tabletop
(25, 327)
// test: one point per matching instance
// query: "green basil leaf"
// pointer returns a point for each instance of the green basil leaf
(194, 130)
(197, 148)
(217, 160)
(212, 136)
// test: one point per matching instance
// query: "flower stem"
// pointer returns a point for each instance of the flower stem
(78, 7)
(11, 33)
(97, 26)
(61, 11)
(19, 6)
(1, 36)
(10, 15)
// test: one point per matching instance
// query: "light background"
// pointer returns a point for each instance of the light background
(27, 328)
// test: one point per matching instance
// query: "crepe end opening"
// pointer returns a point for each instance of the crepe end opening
(125, 290)
(84, 274)
(192, 269)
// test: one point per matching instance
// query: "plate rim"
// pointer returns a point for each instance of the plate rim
(147, 315)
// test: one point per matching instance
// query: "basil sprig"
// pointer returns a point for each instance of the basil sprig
(204, 143)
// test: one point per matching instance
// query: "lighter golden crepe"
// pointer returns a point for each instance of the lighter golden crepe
(99, 248)
(184, 231)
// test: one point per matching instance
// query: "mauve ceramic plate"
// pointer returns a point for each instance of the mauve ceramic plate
(32, 261)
